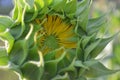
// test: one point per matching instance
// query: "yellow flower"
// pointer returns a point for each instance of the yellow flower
(55, 33)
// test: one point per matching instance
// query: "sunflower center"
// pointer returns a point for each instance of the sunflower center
(51, 42)
(54, 34)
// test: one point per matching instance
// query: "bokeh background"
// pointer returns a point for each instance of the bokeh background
(110, 55)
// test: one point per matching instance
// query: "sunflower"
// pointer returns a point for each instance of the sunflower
(55, 33)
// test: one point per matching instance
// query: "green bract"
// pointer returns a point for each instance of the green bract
(22, 52)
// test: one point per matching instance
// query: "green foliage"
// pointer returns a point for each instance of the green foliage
(98, 69)
(23, 51)
(19, 52)
(3, 57)
(95, 24)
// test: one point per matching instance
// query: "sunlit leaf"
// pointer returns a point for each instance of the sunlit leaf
(3, 57)
(9, 39)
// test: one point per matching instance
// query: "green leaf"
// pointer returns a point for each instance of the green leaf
(101, 46)
(90, 48)
(51, 55)
(82, 13)
(33, 28)
(22, 3)
(30, 3)
(43, 12)
(32, 70)
(82, 20)
(67, 60)
(9, 38)
(81, 78)
(6, 21)
(79, 31)
(16, 31)
(95, 24)
(48, 2)
(2, 28)
(70, 8)
(61, 77)
(90, 62)
(79, 63)
(85, 66)
(18, 15)
(98, 70)
(58, 5)
(86, 40)
(69, 68)
(116, 51)
(3, 57)
(40, 3)
(33, 54)
(81, 6)
(51, 66)
(19, 52)
(17, 11)
(79, 51)
(5, 24)
(29, 16)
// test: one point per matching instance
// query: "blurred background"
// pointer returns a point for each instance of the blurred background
(99, 8)
(6, 7)
(112, 51)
